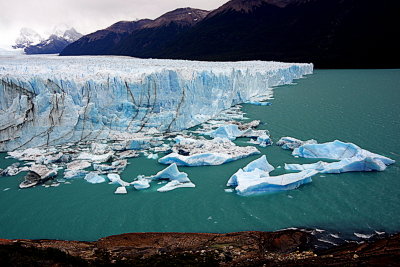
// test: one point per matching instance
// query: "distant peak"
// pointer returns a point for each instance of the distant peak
(183, 16)
(249, 5)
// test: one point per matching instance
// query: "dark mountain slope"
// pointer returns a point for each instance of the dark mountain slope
(330, 33)
(142, 38)
(103, 41)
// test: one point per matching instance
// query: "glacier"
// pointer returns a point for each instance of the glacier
(48, 100)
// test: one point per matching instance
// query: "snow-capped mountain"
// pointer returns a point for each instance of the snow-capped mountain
(33, 43)
(27, 38)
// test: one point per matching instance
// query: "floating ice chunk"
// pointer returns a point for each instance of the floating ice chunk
(75, 174)
(264, 140)
(254, 179)
(172, 173)
(354, 164)
(352, 158)
(191, 152)
(259, 103)
(116, 166)
(141, 184)
(274, 183)
(11, 170)
(48, 159)
(176, 178)
(230, 131)
(95, 158)
(94, 178)
(260, 163)
(37, 174)
(174, 185)
(121, 190)
(152, 156)
(291, 143)
(337, 150)
(254, 170)
(116, 179)
(128, 154)
(78, 165)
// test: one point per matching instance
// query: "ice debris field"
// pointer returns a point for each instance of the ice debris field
(84, 117)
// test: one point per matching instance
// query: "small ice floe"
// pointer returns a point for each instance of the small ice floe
(121, 190)
(6, 189)
(141, 184)
(11, 170)
(94, 178)
(116, 179)
(290, 143)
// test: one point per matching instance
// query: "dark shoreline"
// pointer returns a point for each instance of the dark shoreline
(290, 247)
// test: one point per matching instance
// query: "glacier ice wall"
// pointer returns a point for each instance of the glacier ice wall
(48, 100)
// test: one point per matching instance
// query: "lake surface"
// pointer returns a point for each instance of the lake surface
(359, 106)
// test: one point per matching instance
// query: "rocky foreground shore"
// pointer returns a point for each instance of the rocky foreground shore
(282, 248)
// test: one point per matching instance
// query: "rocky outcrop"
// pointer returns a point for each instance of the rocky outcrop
(282, 248)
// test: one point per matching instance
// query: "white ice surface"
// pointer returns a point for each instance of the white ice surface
(254, 179)
(351, 158)
(206, 152)
(49, 100)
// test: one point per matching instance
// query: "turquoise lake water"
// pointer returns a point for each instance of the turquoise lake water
(359, 106)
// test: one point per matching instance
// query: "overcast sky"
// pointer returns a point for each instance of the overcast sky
(84, 15)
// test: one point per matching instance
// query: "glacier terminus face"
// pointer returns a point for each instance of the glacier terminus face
(50, 100)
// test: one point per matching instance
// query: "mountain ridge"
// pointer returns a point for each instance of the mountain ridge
(329, 33)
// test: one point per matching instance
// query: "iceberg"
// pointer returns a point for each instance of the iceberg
(176, 178)
(174, 185)
(94, 178)
(259, 103)
(75, 174)
(121, 190)
(264, 140)
(172, 173)
(229, 131)
(141, 184)
(254, 179)
(193, 152)
(258, 185)
(354, 164)
(78, 165)
(11, 170)
(116, 166)
(337, 150)
(260, 164)
(351, 158)
(37, 174)
(43, 103)
(290, 143)
(116, 179)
